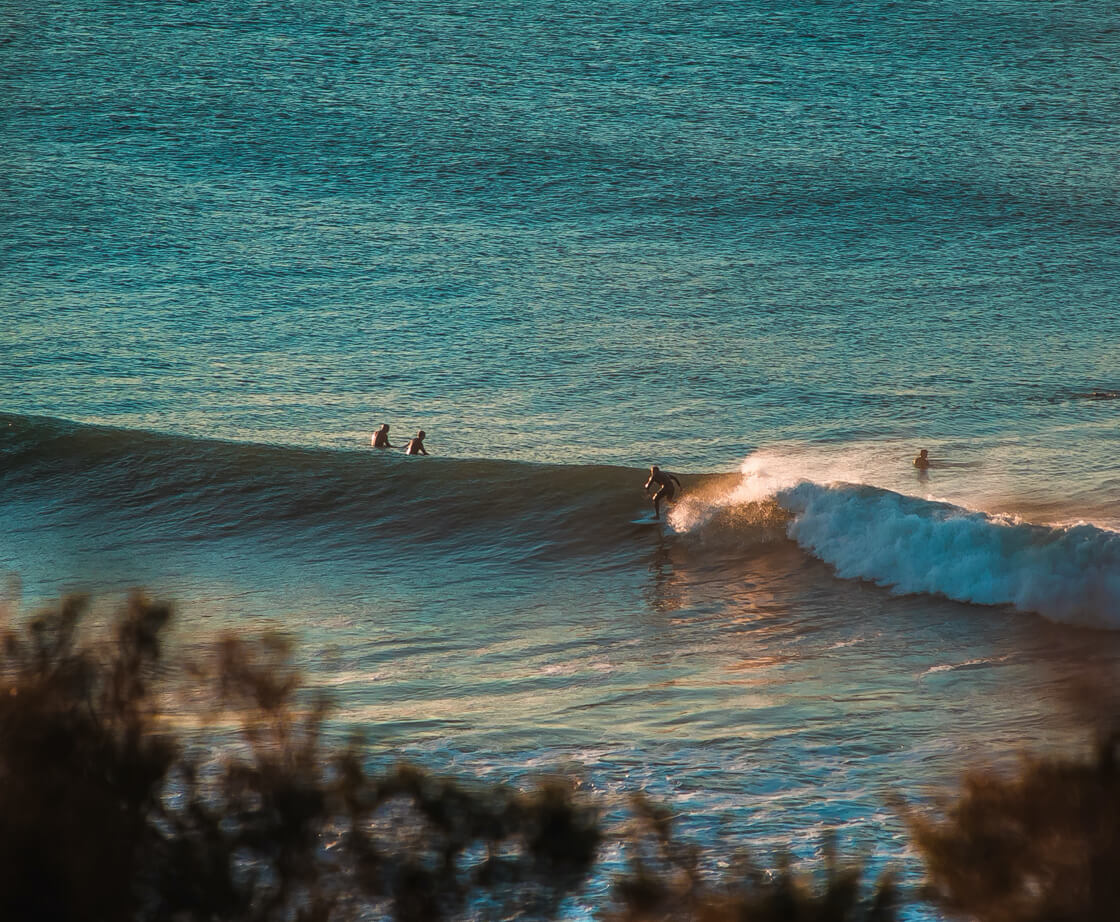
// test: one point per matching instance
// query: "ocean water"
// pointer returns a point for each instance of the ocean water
(774, 250)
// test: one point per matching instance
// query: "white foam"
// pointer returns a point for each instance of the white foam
(1068, 573)
(917, 544)
(967, 664)
(767, 472)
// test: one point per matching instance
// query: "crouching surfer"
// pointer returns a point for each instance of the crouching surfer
(665, 488)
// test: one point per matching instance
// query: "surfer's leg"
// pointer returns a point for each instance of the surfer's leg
(666, 493)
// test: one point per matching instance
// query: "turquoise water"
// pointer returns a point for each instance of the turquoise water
(773, 250)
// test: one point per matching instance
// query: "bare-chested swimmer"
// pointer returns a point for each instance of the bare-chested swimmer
(922, 462)
(665, 489)
(415, 444)
(381, 437)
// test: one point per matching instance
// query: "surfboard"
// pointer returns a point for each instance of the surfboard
(647, 519)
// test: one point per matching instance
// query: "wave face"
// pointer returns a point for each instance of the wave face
(154, 489)
(183, 489)
(1068, 573)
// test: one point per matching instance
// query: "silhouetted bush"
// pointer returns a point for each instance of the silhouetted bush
(107, 815)
(1043, 844)
(666, 882)
(82, 767)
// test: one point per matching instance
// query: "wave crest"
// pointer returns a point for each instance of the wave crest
(1068, 573)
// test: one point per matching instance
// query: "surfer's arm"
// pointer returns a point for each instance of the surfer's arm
(648, 482)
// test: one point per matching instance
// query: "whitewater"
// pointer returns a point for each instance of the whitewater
(783, 634)
(918, 544)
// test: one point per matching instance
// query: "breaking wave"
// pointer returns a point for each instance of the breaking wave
(1067, 573)
(91, 481)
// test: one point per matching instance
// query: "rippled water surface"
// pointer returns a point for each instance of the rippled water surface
(774, 250)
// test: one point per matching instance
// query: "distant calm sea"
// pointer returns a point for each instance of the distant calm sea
(775, 248)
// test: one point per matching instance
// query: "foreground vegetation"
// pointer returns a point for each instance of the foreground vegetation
(107, 813)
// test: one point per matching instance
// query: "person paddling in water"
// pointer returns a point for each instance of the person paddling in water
(665, 489)
(381, 437)
(415, 445)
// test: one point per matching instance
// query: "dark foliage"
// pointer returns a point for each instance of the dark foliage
(81, 767)
(666, 882)
(1041, 845)
(104, 816)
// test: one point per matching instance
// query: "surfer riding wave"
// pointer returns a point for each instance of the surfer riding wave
(665, 488)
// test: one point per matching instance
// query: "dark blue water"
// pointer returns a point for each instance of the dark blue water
(785, 246)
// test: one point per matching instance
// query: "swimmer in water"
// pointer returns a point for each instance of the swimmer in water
(381, 437)
(415, 445)
(665, 489)
(922, 462)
